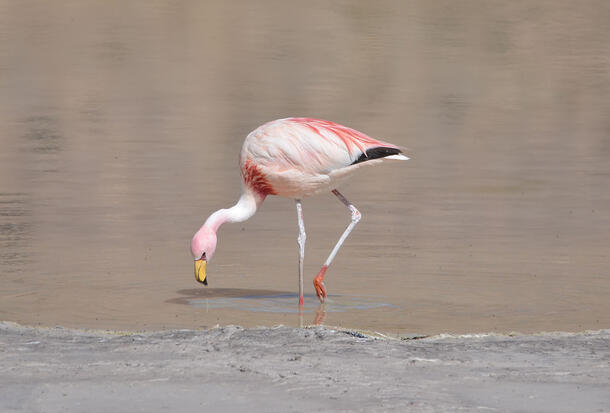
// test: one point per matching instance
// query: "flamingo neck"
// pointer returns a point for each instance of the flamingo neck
(241, 211)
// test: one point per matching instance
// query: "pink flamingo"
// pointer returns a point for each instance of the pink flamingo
(294, 157)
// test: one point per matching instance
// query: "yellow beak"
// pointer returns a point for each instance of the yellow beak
(200, 271)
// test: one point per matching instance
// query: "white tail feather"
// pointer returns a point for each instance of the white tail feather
(399, 156)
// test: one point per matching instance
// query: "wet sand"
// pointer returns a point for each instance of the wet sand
(285, 369)
(121, 124)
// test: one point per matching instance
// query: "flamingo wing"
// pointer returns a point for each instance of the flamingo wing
(303, 155)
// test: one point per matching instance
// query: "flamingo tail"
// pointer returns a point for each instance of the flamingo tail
(380, 152)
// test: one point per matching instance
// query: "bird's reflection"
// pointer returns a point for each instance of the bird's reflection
(320, 314)
(318, 319)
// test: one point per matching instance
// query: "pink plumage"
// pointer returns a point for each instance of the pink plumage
(297, 157)
(294, 157)
(353, 139)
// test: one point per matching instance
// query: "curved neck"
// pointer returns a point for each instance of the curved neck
(241, 211)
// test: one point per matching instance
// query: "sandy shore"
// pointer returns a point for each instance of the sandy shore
(286, 369)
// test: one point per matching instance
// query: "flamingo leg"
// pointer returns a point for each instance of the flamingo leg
(318, 282)
(301, 242)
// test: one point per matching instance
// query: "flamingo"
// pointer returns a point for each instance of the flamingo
(295, 158)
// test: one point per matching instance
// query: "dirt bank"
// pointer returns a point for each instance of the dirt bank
(289, 369)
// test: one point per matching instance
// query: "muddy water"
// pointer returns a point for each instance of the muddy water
(120, 125)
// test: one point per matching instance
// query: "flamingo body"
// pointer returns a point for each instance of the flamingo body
(298, 157)
(294, 157)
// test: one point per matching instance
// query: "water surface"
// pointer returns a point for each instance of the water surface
(120, 125)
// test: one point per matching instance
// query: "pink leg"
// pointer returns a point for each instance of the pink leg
(318, 282)
(301, 241)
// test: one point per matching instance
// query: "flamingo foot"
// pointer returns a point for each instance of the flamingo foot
(318, 283)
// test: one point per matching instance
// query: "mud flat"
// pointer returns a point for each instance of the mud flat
(286, 369)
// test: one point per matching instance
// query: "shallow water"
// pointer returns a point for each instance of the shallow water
(121, 124)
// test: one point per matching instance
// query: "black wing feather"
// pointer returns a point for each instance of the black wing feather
(378, 152)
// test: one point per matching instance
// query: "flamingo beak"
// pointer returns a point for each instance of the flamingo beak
(200, 271)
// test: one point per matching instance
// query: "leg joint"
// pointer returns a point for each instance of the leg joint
(356, 215)
(301, 239)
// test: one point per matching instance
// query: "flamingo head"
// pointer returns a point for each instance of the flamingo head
(203, 246)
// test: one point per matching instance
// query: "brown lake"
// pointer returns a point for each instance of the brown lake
(121, 124)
